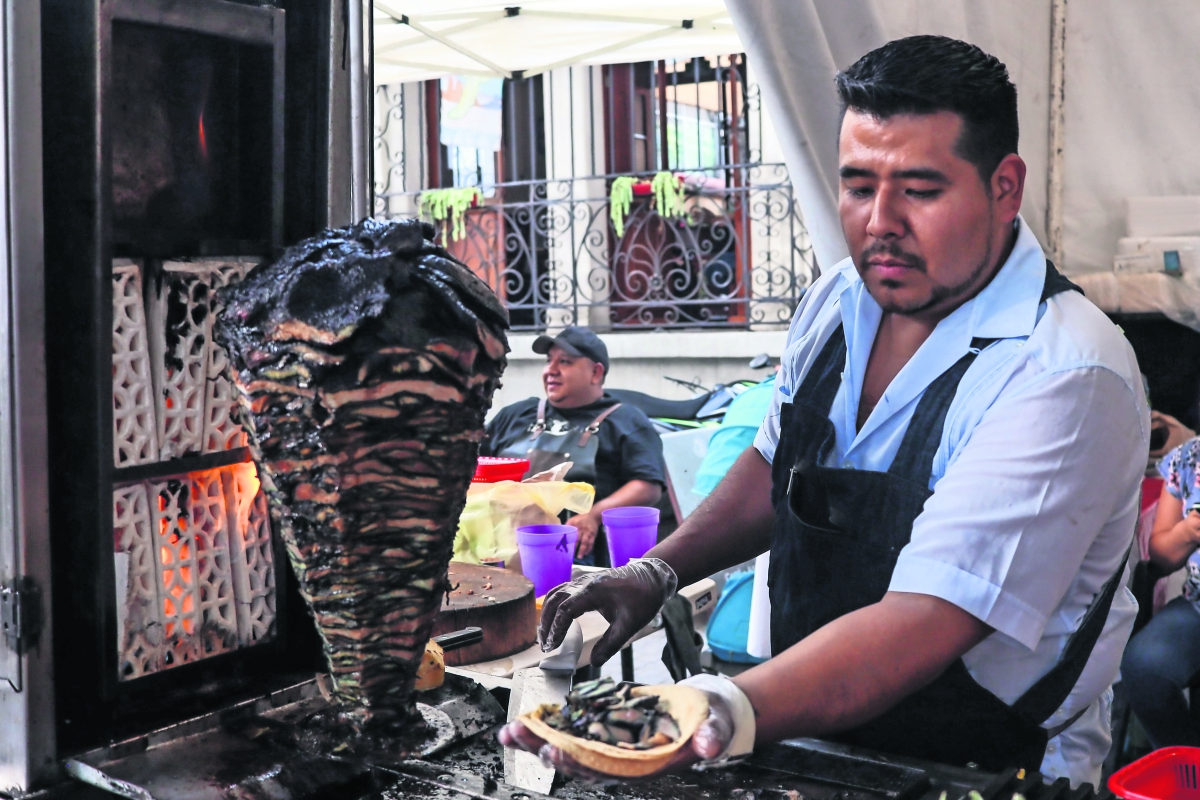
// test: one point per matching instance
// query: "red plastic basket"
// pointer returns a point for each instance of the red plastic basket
(1172, 773)
(494, 470)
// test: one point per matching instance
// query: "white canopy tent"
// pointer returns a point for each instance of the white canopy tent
(1123, 125)
(1109, 109)
(417, 40)
(1109, 101)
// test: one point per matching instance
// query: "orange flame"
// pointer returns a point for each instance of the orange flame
(203, 139)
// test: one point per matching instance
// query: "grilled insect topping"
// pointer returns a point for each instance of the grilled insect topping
(604, 712)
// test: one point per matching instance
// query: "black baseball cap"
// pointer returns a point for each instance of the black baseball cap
(576, 341)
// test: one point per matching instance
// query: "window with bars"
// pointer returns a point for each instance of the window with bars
(676, 115)
(550, 151)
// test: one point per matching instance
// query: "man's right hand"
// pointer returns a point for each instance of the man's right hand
(628, 597)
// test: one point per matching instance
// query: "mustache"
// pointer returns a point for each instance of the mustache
(892, 250)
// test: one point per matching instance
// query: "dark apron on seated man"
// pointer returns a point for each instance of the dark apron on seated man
(549, 446)
(609, 444)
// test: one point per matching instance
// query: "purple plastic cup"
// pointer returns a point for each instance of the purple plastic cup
(632, 531)
(547, 553)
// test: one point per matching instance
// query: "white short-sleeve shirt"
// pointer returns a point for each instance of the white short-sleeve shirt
(1035, 482)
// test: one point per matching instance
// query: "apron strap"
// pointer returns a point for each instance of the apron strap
(1056, 282)
(914, 459)
(824, 378)
(539, 427)
(1052, 689)
(595, 426)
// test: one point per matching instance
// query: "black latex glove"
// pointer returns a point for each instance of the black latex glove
(628, 597)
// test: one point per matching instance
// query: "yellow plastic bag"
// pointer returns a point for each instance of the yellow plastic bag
(487, 529)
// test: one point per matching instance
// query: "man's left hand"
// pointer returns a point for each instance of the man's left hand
(588, 526)
(708, 742)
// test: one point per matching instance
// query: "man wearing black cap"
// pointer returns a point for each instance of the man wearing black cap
(614, 447)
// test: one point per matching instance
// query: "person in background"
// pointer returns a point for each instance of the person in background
(1166, 434)
(948, 479)
(1164, 656)
(736, 432)
(613, 447)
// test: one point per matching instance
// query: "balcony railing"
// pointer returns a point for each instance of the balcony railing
(737, 257)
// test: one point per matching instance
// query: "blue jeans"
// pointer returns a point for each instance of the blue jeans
(1160, 661)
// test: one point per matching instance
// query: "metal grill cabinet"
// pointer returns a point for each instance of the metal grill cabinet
(163, 593)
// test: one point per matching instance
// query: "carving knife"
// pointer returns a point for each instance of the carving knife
(549, 682)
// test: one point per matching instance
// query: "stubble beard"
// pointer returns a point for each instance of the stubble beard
(939, 294)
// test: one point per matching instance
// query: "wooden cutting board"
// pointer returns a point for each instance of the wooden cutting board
(499, 601)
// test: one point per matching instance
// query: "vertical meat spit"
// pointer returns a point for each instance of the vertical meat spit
(366, 359)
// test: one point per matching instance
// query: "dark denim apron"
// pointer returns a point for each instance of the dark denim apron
(546, 451)
(838, 534)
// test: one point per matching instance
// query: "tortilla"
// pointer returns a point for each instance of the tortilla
(688, 707)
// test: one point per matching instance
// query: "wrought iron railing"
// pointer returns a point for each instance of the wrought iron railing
(738, 257)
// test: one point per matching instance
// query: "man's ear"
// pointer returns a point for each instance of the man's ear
(1008, 186)
(598, 373)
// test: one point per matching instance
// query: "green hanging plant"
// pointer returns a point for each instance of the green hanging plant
(442, 204)
(667, 197)
(620, 200)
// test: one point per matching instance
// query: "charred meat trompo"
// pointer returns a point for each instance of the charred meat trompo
(366, 359)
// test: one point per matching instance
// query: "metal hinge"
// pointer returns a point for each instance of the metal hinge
(21, 615)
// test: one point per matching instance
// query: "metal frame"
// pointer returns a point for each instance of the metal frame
(739, 258)
(360, 187)
(245, 24)
(659, 28)
(27, 735)
(78, 373)
(1056, 167)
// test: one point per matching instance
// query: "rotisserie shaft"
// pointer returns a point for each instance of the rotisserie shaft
(366, 359)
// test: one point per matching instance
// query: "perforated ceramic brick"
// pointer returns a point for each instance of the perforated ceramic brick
(141, 635)
(176, 546)
(193, 551)
(193, 284)
(252, 555)
(214, 575)
(179, 322)
(221, 430)
(134, 432)
(195, 590)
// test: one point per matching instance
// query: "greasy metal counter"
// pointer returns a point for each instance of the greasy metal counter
(247, 751)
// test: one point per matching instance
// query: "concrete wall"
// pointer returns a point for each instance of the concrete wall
(639, 361)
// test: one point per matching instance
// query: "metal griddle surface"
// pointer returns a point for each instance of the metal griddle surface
(803, 769)
(242, 756)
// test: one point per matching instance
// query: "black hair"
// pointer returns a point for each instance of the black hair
(927, 74)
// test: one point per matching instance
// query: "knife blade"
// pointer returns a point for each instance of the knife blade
(549, 682)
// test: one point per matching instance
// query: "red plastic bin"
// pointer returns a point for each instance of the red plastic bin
(1172, 773)
(490, 469)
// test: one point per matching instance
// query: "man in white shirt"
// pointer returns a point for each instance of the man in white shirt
(948, 478)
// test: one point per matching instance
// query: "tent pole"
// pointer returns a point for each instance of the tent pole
(369, 102)
(661, 67)
(358, 111)
(1054, 175)
(442, 39)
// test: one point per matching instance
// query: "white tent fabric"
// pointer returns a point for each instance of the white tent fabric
(1132, 104)
(1132, 116)
(1131, 111)
(418, 40)
(798, 47)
